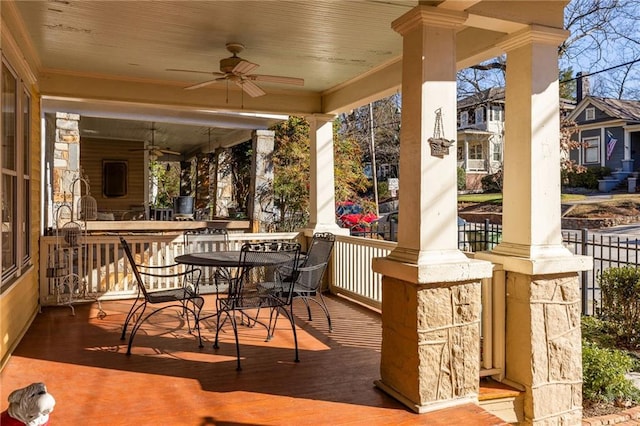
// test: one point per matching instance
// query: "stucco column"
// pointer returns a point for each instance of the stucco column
(260, 207)
(543, 344)
(322, 198)
(430, 290)
(531, 213)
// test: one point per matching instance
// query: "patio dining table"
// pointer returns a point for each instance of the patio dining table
(230, 259)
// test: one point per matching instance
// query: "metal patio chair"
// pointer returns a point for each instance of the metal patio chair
(259, 263)
(308, 277)
(206, 240)
(184, 297)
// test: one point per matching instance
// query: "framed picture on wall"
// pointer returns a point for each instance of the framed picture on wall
(114, 178)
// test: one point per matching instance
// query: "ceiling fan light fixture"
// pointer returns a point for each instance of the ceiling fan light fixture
(229, 64)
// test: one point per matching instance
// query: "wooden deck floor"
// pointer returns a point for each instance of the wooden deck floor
(168, 380)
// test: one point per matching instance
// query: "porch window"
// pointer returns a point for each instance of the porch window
(591, 147)
(479, 115)
(464, 119)
(475, 151)
(15, 183)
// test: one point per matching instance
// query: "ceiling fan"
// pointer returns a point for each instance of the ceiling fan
(154, 150)
(236, 70)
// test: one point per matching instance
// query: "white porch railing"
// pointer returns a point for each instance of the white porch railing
(476, 165)
(352, 276)
(98, 266)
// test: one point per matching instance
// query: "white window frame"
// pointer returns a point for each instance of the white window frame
(496, 154)
(464, 118)
(476, 151)
(479, 115)
(591, 147)
(590, 113)
(19, 220)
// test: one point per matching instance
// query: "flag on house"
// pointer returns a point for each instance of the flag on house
(611, 143)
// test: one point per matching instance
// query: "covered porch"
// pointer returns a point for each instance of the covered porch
(168, 380)
(433, 297)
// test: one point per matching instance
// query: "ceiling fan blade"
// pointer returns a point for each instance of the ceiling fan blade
(204, 83)
(195, 71)
(169, 152)
(276, 79)
(244, 67)
(250, 88)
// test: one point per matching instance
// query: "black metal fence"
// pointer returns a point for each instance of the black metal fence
(607, 249)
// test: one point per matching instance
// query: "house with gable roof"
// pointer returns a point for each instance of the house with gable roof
(480, 134)
(609, 130)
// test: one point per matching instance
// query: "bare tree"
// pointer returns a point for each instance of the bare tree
(605, 45)
(386, 128)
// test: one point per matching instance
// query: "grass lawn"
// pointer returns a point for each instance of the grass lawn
(496, 198)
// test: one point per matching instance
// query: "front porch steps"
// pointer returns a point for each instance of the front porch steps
(501, 400)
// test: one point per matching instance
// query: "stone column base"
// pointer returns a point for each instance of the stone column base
(421, 409)
(430, 343)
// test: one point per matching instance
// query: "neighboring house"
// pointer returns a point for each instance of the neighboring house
(480, 134)
(480, 142)
(609, 130)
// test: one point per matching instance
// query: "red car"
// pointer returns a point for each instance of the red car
(350, 215)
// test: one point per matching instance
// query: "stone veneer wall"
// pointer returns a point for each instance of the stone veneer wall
(66, 159)
(544, 346)
(441, 343)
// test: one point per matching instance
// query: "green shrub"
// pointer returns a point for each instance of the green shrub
(462, 179)
(383, 190)
(587, 179)
(597, 331)
(603, 373)
(621, 302)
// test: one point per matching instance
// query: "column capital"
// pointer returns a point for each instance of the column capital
(264, 132)
(533, 34)
(325, 118)
(431, 16)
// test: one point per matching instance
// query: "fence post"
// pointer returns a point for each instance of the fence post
(584, 278)
(486, 234)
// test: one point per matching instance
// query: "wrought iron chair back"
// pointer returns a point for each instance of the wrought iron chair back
(207, 240)
(308, 283)
(184, 297)
(259, 263)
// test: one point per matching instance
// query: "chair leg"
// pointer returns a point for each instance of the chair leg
(323, 305)
(271, 328)
(130, 315)
(306, 302)
(196, 315)
(293, 327)
(136, 326)
(234, 324)
(218, 326)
